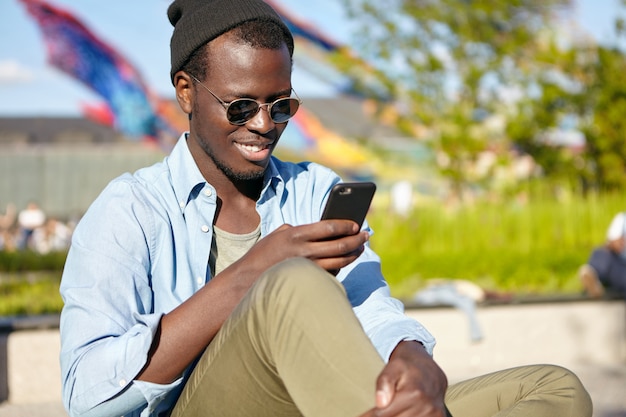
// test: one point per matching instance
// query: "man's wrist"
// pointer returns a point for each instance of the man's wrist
(409, 346)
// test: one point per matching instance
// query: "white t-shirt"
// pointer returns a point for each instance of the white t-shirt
(31, 218)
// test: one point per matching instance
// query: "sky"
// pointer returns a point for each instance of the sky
(139, 29)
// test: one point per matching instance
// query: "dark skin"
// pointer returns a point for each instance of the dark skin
(234, 158)
(617, 245)
(410, 385)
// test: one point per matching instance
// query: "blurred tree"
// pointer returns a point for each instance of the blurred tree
(604, 121)
(470, 77)
(458, 71)
(586, 87)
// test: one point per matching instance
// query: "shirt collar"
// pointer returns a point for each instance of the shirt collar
(186, 176)
(272, 176)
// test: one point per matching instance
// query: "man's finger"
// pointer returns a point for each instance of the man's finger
(384, 394)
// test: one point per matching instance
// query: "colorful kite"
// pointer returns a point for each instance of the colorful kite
(75, 50)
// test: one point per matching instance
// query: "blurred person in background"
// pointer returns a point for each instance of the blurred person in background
(53, 236)
(28, 220)
(605, 269)
(7, 223)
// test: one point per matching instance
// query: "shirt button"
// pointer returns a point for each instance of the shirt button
(122, 382)
(200, 280)
(208, 192)
(205, 228)
(182, 204)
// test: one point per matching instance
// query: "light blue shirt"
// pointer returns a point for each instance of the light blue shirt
(143, 248)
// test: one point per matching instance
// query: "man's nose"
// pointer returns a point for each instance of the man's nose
(262, 121)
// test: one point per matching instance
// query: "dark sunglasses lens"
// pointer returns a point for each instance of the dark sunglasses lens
(242, 110)
(283, 109)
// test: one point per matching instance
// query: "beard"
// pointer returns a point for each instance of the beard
(236, 176)
(254, 173)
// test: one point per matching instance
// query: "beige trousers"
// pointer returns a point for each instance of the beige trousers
(293, 347)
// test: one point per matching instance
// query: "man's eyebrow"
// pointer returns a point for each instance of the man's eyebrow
(272, 96)
(284, 93)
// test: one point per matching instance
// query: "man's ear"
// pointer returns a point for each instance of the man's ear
(184, 91)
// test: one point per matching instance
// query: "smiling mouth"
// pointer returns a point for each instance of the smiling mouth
(253, 148)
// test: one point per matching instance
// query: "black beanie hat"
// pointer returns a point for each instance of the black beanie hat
(196, 22)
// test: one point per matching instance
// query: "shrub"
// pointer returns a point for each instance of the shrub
(21, 261)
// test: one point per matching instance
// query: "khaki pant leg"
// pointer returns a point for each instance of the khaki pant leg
(292, 347)
(537, 391)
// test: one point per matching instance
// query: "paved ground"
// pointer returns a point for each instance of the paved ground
(607, 387)
(33, 410)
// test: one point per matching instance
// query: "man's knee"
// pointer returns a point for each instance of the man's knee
(300, 289)
(300, 276)
(561, 381)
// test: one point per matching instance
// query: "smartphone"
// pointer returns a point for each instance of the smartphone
(349, 200)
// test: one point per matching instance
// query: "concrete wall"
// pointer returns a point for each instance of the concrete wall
(571, 334)
(64, 180)
(33, 372)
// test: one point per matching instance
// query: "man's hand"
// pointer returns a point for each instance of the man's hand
(410, 385)
(332, 244)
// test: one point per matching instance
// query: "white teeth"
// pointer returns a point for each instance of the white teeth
(252, 148)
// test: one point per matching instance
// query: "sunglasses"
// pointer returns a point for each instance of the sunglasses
(242, 110)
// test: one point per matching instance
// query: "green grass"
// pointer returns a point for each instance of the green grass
(29, 261)
(530, 248)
